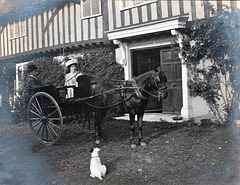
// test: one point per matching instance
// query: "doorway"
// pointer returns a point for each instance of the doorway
(149, 59)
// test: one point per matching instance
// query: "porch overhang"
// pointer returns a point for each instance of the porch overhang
(149, 28)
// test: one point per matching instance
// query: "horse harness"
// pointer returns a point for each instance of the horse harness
(123, 94)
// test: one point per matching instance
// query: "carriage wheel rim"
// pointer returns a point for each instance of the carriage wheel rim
(85, 123)
(46, 122)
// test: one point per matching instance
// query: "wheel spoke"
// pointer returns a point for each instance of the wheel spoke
(43, 132)
(45, 118)
(85, 122)
(36, 109)
(52, 130)
(34, 119)
(49, 131)
(35, 113)
(39, 105)
(49, 107)
(53, 125)
(36, 124)
(39, 129)
(52, 113)
(46, 132)
(54, 119)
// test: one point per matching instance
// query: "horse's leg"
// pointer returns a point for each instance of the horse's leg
(132, 125)
(98, 117)
(140, 125)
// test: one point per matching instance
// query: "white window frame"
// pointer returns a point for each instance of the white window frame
(0, 100)
(18, 78)
(138, 4)
(21, 31)
(91, 15)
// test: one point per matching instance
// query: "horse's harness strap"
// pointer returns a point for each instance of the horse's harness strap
(139, 93)
(137, 90)
(121, 91)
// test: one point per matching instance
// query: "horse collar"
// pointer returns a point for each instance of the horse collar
(137, 90)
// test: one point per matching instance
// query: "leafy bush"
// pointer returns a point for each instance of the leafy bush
(50, 71)
(211, 52)
(98, 62)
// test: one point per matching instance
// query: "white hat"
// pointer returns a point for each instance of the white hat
(71, 61)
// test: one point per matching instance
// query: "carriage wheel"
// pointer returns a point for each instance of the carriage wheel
(45, 118)
(85, 122)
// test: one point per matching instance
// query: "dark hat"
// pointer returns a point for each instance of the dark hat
(31, 68)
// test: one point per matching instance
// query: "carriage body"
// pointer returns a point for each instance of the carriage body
(48, 109)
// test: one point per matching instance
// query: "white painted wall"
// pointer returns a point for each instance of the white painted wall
(200, 110)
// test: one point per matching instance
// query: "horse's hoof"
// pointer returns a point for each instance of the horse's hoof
(97, 141)
(143, 144)
(133, 145)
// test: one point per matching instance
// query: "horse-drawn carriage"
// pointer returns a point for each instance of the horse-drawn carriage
(48, 107)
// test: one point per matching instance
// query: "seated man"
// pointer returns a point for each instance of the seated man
(32, 81)
(71, 77)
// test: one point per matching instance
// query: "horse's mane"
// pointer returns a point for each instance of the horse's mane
(145, 76)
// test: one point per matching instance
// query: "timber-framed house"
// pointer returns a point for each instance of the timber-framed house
(141, 30)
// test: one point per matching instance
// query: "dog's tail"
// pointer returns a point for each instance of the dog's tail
(104, 170)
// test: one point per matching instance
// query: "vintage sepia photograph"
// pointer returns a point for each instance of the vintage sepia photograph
(119, 92)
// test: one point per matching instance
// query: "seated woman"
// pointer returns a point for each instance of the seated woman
(71, 77)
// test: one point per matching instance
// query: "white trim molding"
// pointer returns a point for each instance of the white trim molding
(151, 27)
(187, 110)
(123, 50)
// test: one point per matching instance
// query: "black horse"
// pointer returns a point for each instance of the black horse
(131, 98)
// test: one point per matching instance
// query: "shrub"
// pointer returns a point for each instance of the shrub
(211, 52)
(98, 62)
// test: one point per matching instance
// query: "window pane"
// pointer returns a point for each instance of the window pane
(138, 1)
(95, 7)
(23, 27)
(167, 55)
(127, 3)
(12, 30)
(86, 8)
(16, 29)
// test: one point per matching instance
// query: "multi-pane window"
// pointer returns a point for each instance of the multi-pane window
(18, 29)
(129, 3)
(91, 8)
(21, 72)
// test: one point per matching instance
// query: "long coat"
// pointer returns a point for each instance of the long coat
(33, 82)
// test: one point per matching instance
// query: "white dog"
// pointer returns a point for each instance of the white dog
(96, 167)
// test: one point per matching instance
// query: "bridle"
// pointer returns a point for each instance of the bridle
(139, 88)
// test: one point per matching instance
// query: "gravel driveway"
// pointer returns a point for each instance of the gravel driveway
(175, 154)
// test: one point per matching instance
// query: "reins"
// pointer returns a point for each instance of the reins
(107, 92)
(137, 90)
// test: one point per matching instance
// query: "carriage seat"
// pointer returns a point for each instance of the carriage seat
(84, 86)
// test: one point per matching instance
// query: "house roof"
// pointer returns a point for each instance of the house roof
(11, 10)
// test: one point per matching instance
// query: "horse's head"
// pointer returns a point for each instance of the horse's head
(159, 83)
